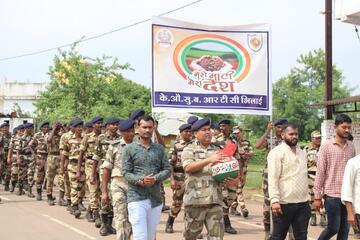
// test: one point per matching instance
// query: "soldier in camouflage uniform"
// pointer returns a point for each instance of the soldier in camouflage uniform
(229, 192)
(53, 165)
(112, 166)
(102, 146)
(203, 199)
(245, 153)
(5, 139)
(64, 162)
(87, 151)
(77, 177)
(269, 143)
(38, 148)
(24, 160)
(177, 174)
(311, 151)
(12, 155)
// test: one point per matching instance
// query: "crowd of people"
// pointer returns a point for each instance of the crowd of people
(121, 166)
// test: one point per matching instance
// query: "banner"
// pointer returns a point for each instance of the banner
(197, 68)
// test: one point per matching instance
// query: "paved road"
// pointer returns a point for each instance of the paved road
(25, 218)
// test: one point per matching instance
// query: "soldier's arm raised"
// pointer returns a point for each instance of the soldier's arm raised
(261, 142)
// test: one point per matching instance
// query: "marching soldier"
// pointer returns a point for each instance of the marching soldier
(112, 167)
(245, 153)
(53, 165)
(104, 141)
(268, 143)
(177, 174)
(25, 161)
(87, 151)
(202, 198)
(38, 148)
(229, 192)
(76, 174)
(12, 155)
(311, 150)
(5, 139)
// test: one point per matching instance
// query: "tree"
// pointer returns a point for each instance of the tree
(83, 87)
(294, 93)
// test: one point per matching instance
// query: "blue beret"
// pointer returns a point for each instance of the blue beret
(28, 125)
(200, 123)
(88, 125)
(216, 126)
(43, 123)
(112, 120)
(4, 125)
(280, 121)
(21, 126)
(225, 121)
(77, 122)
(192, 119)
(126, 124)
(97, 119)
(137, 113)
(15, 130)
(185, 126)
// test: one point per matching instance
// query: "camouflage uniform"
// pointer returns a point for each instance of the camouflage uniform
(202, 198)
(101, 149)
(53, 164)
(27, 164)
(14, 142)
(244, 147)
(87, 145)
(119, 186)
(311, 152)
(5, 139)
(270, 143)
(71, 149)
(178, 175)
(38, 143)
(64, 178)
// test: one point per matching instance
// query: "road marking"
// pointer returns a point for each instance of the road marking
(5, 198)
(258, 226)
(70, 227)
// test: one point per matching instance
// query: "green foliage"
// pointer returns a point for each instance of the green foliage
(83, 87)
(294, 93)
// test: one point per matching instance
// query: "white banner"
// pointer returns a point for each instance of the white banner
(197, 68)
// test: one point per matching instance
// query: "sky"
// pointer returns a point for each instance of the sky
(33, 25)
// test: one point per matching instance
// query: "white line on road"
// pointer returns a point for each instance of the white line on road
(70, 227)
(258, 226)
(5, 198)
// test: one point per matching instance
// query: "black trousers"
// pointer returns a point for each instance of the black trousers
(296, 215)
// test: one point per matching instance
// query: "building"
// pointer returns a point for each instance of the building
(23, 94)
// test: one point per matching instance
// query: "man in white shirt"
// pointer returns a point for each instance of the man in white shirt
(288, 192)
(350, 191)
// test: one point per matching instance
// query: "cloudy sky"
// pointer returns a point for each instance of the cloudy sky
(32, 25)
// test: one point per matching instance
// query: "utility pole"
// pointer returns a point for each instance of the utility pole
(328, 58)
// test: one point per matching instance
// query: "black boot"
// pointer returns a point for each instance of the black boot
(169, 225)
(20, 190)
(104, 231)
(12, 186)
(7, 182)
(110, 221)
(39, 194)
(61, 200)
(50, 200)
(228, 227)
(97, 218)
(30, 194)
(68, 207)
(81, 207)
(89, 216)
(75, 211)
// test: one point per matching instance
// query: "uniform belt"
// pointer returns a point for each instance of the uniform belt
(54, 153)
(73, 160)
(42, 153)
(179, 169)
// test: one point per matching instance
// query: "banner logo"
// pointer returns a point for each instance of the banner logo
(212, 62)
(255, 42)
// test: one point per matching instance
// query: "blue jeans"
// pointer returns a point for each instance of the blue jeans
(337, 220)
